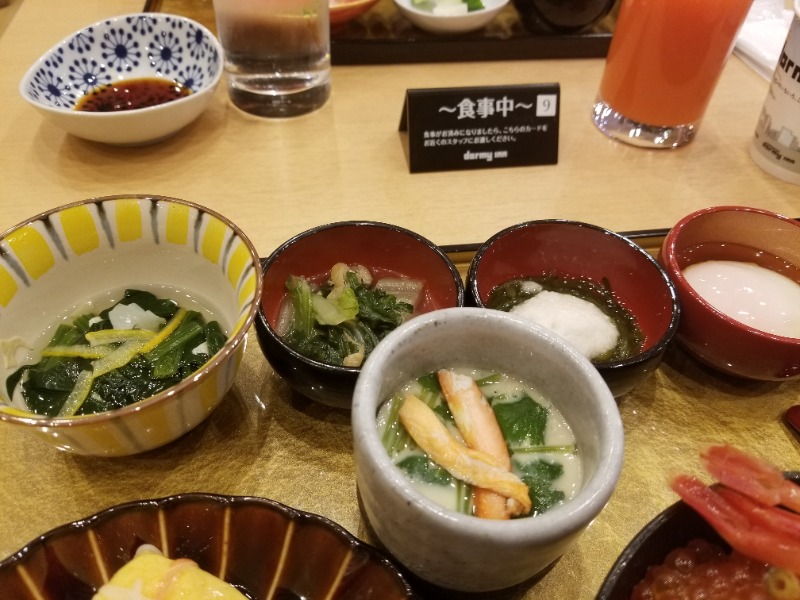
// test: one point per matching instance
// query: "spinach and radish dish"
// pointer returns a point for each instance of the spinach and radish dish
(130, 351)
(340, 320)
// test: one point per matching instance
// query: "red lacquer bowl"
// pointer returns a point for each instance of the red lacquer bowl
(709, 335)
(382, 248)
(344, 11)
(570, 249)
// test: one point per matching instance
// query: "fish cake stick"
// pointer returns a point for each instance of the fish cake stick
(472, 466)
(478, 426)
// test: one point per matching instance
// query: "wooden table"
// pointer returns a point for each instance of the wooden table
(346, 161)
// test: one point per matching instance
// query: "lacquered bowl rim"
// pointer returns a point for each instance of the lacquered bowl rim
(294, 514)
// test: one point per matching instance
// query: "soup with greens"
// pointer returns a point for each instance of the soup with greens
(481, 443)
(97, 362)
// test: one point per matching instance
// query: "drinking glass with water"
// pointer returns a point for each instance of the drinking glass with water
(277, 54)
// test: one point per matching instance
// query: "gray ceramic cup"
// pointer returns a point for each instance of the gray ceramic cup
(461, 552)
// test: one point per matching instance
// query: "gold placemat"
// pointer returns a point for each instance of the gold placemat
(266, 441)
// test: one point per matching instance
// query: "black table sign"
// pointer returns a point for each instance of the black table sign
(481, 127)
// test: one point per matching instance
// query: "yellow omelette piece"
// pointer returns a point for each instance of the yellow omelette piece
(150, 576)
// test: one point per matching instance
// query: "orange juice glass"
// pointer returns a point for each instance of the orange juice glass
(663, 64)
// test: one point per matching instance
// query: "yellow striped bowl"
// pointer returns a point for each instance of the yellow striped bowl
(265, 549)
(92, 250)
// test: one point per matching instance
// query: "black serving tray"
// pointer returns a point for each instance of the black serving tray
(383, 36)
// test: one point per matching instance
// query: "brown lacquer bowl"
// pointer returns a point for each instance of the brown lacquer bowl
(257, 545)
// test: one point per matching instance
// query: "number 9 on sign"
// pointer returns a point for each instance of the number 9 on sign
(546, 105)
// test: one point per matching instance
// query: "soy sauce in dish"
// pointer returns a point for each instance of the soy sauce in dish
(131, 94)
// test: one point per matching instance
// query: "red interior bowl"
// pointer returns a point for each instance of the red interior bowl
(712, 337)
(344, 11)
(571, 249)
(383, 249)
(379, 247)
(262, 547)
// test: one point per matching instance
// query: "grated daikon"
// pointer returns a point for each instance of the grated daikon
(579, 321)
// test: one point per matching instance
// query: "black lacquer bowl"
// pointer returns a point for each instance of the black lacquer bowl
(253, 543)
(673, 528)
(561, 16)
(380, 247)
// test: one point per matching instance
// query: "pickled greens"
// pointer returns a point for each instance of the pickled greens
(341, 321)
(134, 349)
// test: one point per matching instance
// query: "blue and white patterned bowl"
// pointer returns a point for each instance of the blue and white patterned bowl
(135, 46)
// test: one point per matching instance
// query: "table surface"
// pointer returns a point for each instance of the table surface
(346, 161)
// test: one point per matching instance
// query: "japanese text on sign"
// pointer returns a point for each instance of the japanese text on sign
(484, 108)
(470, 127)
(479, 135)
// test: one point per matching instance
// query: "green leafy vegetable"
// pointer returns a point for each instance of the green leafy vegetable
(302, 307)
(215, 337)
(167, 355)
(539, 476)
(340, 325)
(430, 383)
(47, 385)
(380, 310)
(489, 380)
(421, 468)
(335, 309)
(523, 422)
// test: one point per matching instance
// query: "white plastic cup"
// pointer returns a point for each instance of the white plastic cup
(776, 142)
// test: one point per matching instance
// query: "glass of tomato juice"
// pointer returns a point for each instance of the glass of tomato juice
(662, 66)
